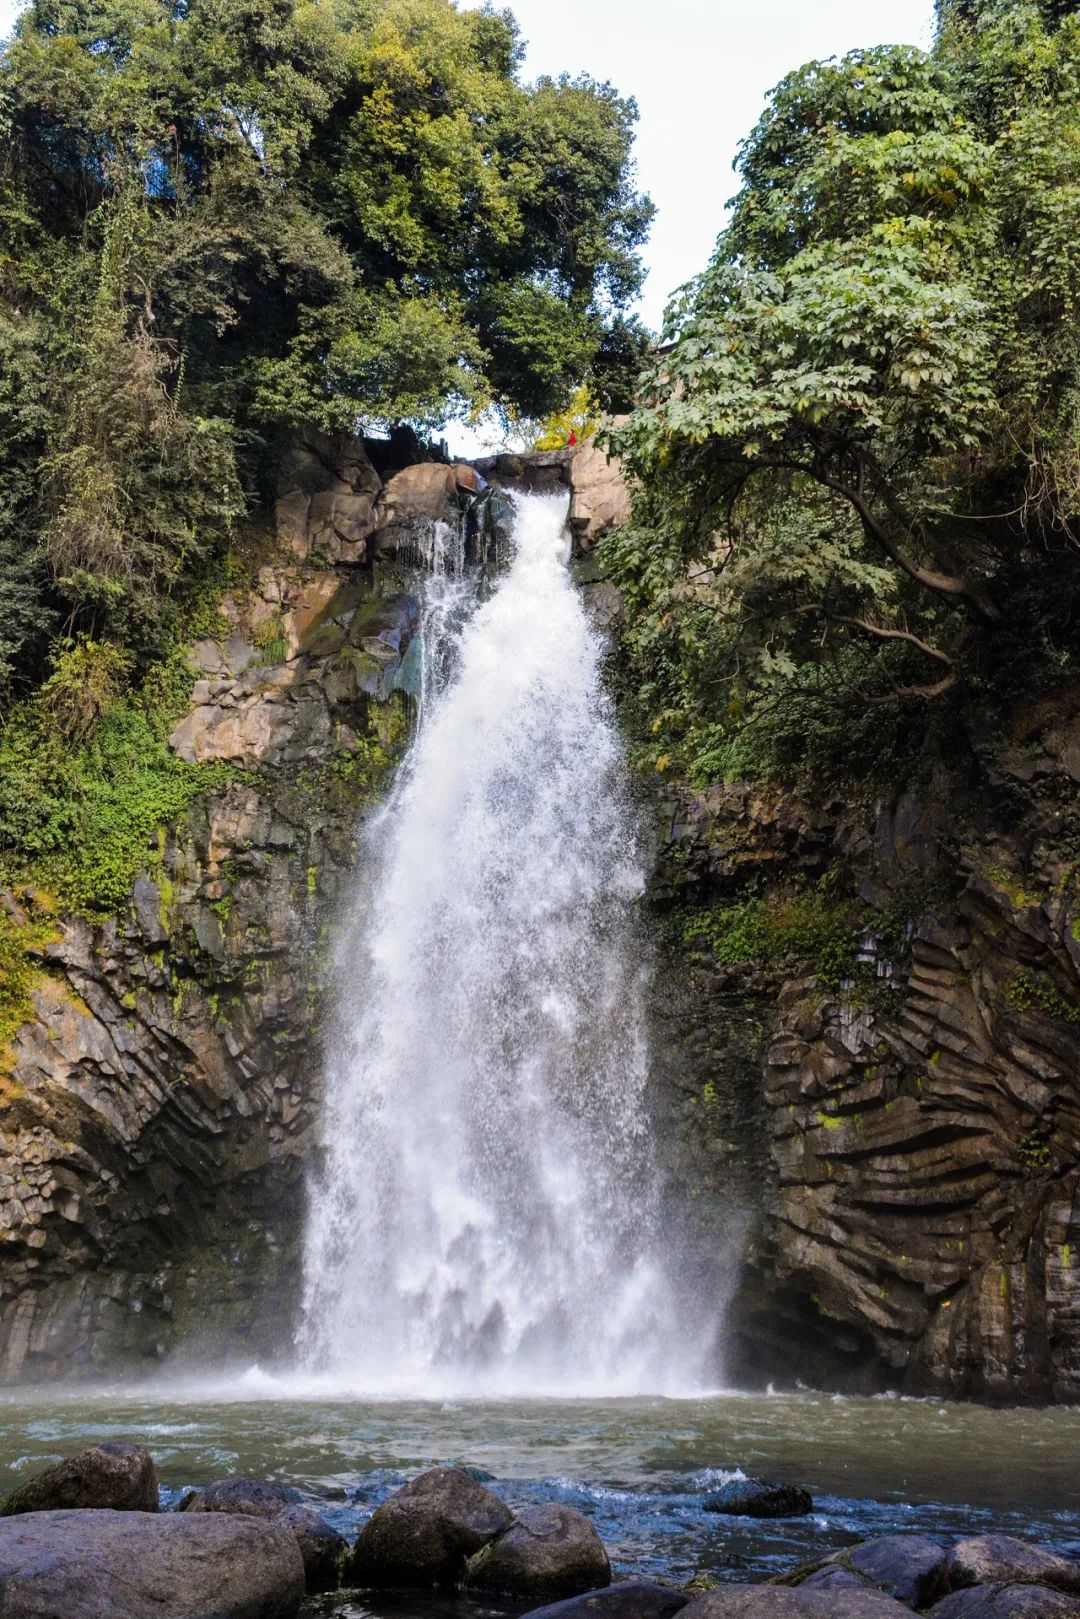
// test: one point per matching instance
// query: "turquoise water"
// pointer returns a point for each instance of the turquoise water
(640, 1468)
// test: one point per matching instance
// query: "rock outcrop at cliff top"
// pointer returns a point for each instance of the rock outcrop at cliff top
(600, 500)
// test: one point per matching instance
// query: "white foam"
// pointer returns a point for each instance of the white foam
(485, 1223)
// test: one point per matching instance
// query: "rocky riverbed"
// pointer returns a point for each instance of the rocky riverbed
(93, 1537)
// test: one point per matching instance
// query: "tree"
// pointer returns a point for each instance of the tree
(864, 413)
(224, 218)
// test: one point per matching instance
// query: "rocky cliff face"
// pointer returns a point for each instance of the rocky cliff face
(874, 1132)
(908, 1147)
(157, 1112)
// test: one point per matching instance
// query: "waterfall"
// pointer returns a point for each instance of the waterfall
(482, 1220)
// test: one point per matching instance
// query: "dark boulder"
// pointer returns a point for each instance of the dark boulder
(832, 1578)
(422, 1536)
(779, 1602)
(626, 1599)
(757, 1498)
(1008, 1602)
(245, 1497)
(1001, 1559)
(134, 1565)
(911, 1568)
(549, 1551)
(119, 1478)
(321, 1547)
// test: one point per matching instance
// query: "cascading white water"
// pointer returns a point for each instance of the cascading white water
(483, 1220)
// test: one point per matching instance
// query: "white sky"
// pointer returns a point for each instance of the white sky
(700, 70)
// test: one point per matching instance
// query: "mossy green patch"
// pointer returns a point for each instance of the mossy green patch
(22, 934)
(83, 820)
(271, 642)
(772, 930)
(1037, 992)
(1009, 884)
(1034, 1150)
(362, 771)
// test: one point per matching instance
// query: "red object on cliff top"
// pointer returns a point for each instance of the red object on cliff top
(572, 440)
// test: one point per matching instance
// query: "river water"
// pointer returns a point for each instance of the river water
(640, 1468)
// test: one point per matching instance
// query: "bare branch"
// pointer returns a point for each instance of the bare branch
(884, 632)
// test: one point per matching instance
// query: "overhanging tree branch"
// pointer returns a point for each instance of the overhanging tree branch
(883, 632)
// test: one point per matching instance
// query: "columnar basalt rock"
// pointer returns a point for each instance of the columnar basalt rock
(917, 1129)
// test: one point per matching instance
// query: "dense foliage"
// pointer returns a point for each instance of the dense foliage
(221, 218)
(859, 460)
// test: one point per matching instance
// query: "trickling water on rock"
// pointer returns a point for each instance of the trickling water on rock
(483, 1217)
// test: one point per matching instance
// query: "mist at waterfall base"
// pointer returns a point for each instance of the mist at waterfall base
(485, 1220)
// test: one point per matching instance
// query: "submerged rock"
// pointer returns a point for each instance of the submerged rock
(247, 1497)
(989, 1559)
(776, 1602)
(1008, 1602)
(422, 1536)
(133, 1565)
(626, 1599)
(758, 1498)
(549, 1551)
(122, 1478)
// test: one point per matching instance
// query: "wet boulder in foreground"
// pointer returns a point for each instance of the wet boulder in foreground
(423, 1536)
(119, 1478)
(321, 1547)
(780, 1602)
(760, 1498)
(1001, 1559)
(244, 1496)
(626, 1599)
(547, 1552)
(832, 1578)
(134, 1565)
(911, 1568)
(1008, 1602)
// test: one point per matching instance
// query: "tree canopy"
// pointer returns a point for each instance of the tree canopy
(859, 451)
(222, 218)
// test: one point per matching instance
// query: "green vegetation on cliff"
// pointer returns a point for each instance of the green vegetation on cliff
(858, 481)
(225, 218)
(86, 777)
(222, 221)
